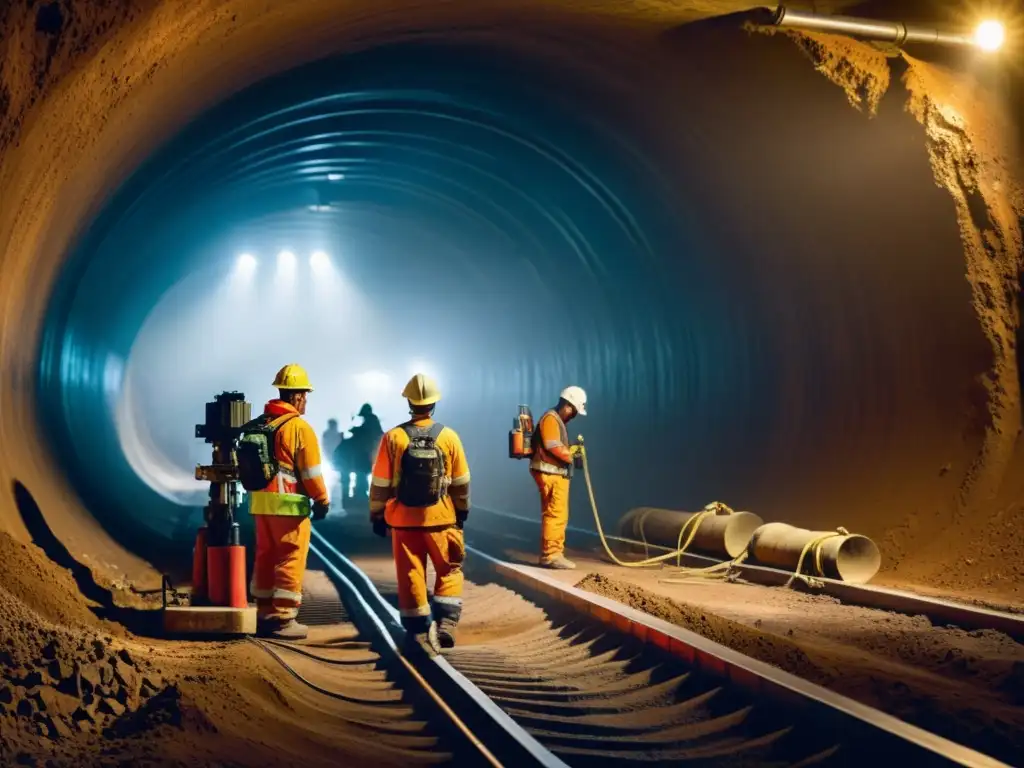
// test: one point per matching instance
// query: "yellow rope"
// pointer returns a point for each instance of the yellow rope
(689, 529)
(718, 570)
(643, 533)
(814, 545)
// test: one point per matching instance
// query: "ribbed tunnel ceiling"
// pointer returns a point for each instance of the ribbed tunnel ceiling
(475, 197)
(762, 289)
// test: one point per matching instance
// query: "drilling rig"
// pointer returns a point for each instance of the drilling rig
(219, 603)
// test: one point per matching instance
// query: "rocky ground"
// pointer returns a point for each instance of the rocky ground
(63, 693)
(73, 687)
(79, 690)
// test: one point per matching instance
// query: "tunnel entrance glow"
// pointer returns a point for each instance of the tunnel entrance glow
(212, 333)
(228, 327)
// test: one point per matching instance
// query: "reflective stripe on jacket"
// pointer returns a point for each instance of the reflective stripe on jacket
(387, 473)
(295, 445)
(279, 504)
(551, 446)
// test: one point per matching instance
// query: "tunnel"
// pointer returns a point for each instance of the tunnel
(763, 288)
(784, 266)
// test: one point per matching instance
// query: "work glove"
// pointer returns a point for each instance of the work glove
(460, 518)
(380, 527)
(320, 510)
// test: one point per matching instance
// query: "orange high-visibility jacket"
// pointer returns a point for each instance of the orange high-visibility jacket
(551, 455)
(387, 473)
(301, 475)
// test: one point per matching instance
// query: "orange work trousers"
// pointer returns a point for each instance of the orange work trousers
(446, 549)
(282, 546)
(554, 513)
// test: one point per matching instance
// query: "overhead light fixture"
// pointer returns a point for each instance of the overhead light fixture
(246, 264)
(335, 176)
(320, 261)
(286, 261)
(990, 35)
(321, 208)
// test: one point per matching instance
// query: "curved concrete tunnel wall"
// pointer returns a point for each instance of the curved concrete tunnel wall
(811, 352)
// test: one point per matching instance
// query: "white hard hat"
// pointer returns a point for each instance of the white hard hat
(577, 398)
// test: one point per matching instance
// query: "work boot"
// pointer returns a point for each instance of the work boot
(446, 632)
(558, 563)
(283, 630)
(425, 642)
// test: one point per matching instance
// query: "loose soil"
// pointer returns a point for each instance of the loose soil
(77, 690)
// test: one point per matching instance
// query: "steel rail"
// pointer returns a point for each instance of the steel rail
(496, 736)
(900, 742)
(863, 733)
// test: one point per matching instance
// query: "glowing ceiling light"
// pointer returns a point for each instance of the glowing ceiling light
(990, 35)
(320, 261)
(246, 264)
(335, 176)
(321, 208)
(286, 263)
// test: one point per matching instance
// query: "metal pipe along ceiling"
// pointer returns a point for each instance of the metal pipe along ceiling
(895, 32)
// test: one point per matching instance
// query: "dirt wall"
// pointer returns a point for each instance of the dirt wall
(967, 111)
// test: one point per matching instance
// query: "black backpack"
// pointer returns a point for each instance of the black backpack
(257, 464)
(423, 481)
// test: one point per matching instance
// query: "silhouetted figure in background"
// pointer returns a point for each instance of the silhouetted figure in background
(363, 450)
(343, 466)
(332, 437)
(329, 443)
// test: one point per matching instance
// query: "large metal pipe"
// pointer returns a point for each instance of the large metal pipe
(849, 557)
(895, 32)
(722, 535)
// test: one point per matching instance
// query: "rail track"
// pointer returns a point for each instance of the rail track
(340, 662)
(547, 675)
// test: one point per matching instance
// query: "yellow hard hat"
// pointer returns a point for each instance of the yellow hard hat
(293, 376)
(421, 390)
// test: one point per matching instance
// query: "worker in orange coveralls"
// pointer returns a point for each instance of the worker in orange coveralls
(551, 466)
(420, 490)
(282, 510)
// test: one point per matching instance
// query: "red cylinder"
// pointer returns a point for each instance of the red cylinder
(200, 593)
(226, 573)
